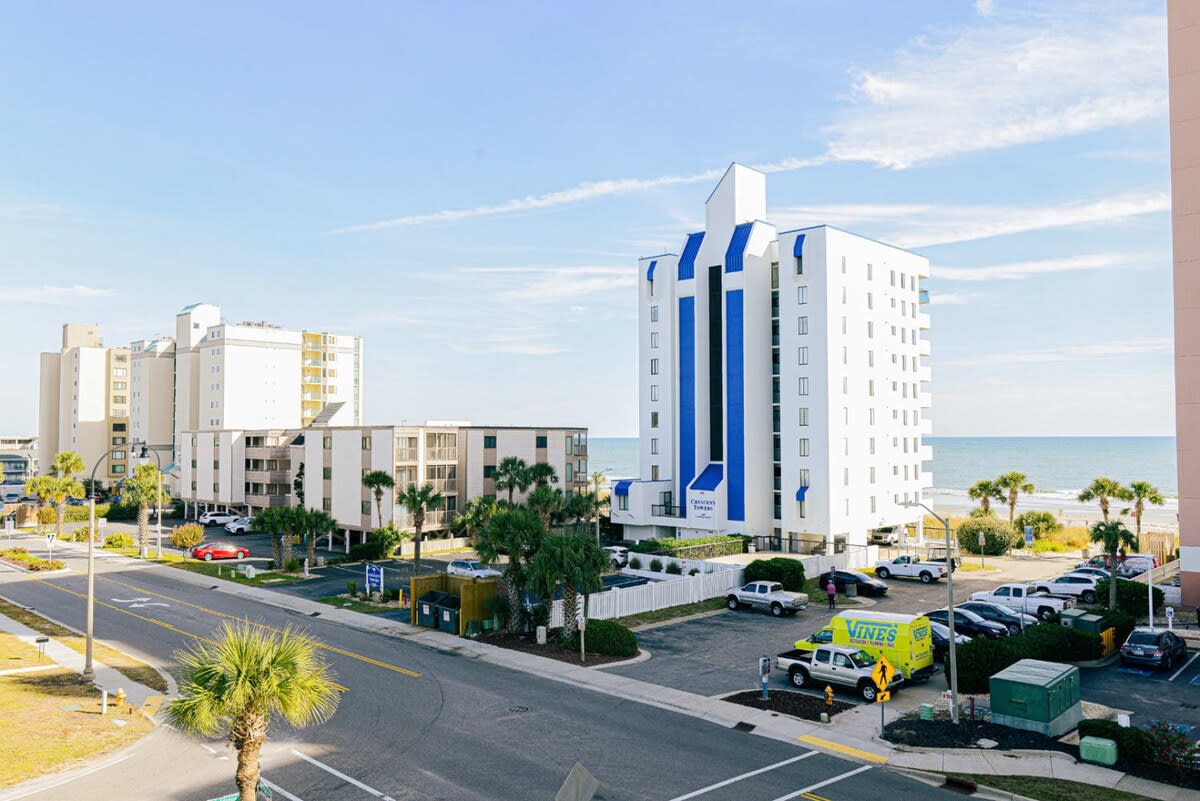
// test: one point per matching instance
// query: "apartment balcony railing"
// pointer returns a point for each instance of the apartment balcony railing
(925, 426)
(269, 476)
(923, 347)
(268, 501)
(441, 454)
(925, 400)
(312, 362)
(923, 321)
(925, 374)
(269, 452)
(406, 454)
(662, 510)
(926, 453)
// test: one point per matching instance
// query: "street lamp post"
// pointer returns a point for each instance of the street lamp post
(89, 672)
(951, 658)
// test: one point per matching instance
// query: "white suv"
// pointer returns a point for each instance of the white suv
(618, 555)
(239, 526)
(216, 518)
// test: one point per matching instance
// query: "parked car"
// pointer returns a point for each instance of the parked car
(834, 664)
(941, 640)
(618, 555)
(471, 568)
(766, 595)
(216, 518)
(903, 639)
(884, 537)
(1135, 565)
(1098, 572)
(1024, 598)
(239, 525)
(219, 550)
(866, 585)
(1155, 647)
(1077, 584)
(969, 623)
(1015, 621)
(911, 567)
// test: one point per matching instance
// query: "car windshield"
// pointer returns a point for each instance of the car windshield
(939, 629)
(862, 659)
(476, 565)
(1143, 638)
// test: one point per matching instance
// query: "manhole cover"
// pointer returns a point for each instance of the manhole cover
(518, 709)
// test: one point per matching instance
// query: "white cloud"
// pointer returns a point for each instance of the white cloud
(1024, 269)
(985, 8)
(1069, 353)
(1017, 79)
(53, 294)
(954, 298)
(555, 284)
(517, 340)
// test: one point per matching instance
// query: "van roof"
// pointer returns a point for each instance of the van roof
(893, 617)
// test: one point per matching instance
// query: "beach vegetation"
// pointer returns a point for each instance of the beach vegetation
(998, 535)
(985, 491)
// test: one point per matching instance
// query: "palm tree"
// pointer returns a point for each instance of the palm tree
(1113, 537)
(63, 485)
(316, 523)
(1102, 490)
(476, 514)
(67, 463)
(542, 474)
(248, 676)
(144, 490)
(1014, 483)
(985, 491)
(377, 481)
(271, 520)
(598, 481)
(573, 561)
(546, 503)
(512, 474)
(418, 500)
(579, 505)
(1141, 493)
(43, 488)
(1042, 523)
(519, 533)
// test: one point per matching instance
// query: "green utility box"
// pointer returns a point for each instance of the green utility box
(1068, 617)
(1098, 750)
(1089, 624)
(926, 711)
(1037, 696)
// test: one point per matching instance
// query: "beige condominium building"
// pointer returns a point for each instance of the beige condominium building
(84, 402)
(18, 463)
(1183, 47)
(322, 467)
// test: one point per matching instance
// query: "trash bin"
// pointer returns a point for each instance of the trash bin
(427, 608)
(448, 610)
(851, 589)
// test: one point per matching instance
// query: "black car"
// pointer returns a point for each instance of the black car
(969, 623)
(1153, 647)
(1009, 618)
(941, 640)
(865, 584)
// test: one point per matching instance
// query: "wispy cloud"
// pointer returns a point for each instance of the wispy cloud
(985, 8)
(554, 284)
(1024, 269)
(53, 294)
(1069, 353)
(955, 298)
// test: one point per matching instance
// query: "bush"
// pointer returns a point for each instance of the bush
(1131, 596)
(608, 638)
(78, 535)
(1122, 622)
(1042, 524)
(189, 535)
(1170, 746)
(981, 658)
(1132, 743)
(22, 557)
(998, 535)
(47, 515)
(674, 569)
(352, 588)
(693, 548)
(119, 539)
(788, 572)
(656, 565)
(366, 551)
(293, 566)
(635, 563)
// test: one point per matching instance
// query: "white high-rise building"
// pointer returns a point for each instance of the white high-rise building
(782, 390)
(152, 394)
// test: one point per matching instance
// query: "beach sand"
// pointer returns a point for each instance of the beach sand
(1065, 507)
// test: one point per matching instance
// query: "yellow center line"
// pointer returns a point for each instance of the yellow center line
(323, 645)
(813, 797)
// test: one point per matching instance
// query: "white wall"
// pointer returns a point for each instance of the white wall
(204, 466)
(346, 485)
(48, 409)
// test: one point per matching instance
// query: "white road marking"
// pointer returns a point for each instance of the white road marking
(739, 778)
(275, 787)
(45, 787)
(1191, 659)
(819, 785)
(342, 776)
(129, 600)
(208, 748)
(152, 603)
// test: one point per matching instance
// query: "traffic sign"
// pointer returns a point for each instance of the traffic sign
(374, 578)
(1170, 612)
(883, 696)
(1028, 536)
(50, 535)
(883, 673)
(982, 540)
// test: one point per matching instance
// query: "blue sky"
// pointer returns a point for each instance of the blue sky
(469, 186)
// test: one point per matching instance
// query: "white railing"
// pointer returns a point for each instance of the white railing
(435, 546)
(670, 590)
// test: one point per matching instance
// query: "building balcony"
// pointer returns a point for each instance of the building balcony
(268, 501)
(926, 453)
(926, 479)
(923, 296)
(924, 374)
(923, 321)
(925, 400)
(666, 511)
(406, 455)
(441, 454)
(925, 426)
(269, 452)
(269, 476)
(923, 347)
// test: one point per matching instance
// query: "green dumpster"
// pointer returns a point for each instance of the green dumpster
(1089, 624)
(427, 608)
(1098, 750)
(1069, 617)
(448, 610)
(1037, 696)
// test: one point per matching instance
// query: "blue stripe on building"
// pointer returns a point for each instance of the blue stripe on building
(622, 488)
(687, 394)
(737, 248)
(650, 270)
(798, 247)
(710, 479)
(735, 407)
(687, 262)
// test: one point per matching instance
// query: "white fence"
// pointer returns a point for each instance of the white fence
(671, 591)
(434, 546)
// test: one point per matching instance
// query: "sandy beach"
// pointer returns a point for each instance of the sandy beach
(1062, 505)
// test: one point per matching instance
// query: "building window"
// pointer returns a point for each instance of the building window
(870, 272)
(623, 503)
(654, 339)
(489, 471)
(803, 354)
(489, 441)
(803, 447)
(121, 455)
(366, 443)
(121, 427)
(119, 399)
(870, 330)
(653, 476)
(654, 367)
(803, 415)
(872, 504)
(119, 372)
(654, 445)
(119, 385)
(802, 294)
(365, 507)
(327, 504)
(871, 447)
(654, 392)
(843, 325)
(654, 419)
(803, 388)
(541, 442)
(118, 440)
(872, 475)
(800, 509)
(327, 473)
(804, 477)
(654, 314)
(845, 385)
(118, 468)
(802, 325)
(799, 265)
(327, 443)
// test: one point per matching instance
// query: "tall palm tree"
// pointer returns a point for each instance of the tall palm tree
(985, 491)
(271, 520)
(575, 562)
(1014, 483)
(377, 481)
(1042, 523)
(248, 676)
(1113, 537)
(598, 480)
(63, 469)
(418, 500)
(519, 534)
(143, 489)
(542, 474)
(476, 514)
(1103, 490)
(512, 474)
(578, 505)
(546, 503)
(1141, 493)
(67, 463)
(43, 488)
(316, 523)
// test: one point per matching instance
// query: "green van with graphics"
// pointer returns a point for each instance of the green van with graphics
(904, 639)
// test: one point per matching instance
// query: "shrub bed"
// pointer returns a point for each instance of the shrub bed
(608, 638)
(23, 558)
(998, 535)
(119, 539)
(788, 572)
(1131, 596)
(697, 548)
(981, 658)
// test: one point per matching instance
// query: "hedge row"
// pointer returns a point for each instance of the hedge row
(1131, 596)
(697, 548)
(981, 658)
(1160, 742)
(23, 558)
(788, 572)
(609, 638)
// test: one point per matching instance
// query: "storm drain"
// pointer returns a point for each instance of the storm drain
(518, 709)
(744, 727)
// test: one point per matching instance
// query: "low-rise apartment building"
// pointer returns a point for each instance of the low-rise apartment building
(18, 463)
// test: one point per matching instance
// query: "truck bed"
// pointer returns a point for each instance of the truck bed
(796, 655)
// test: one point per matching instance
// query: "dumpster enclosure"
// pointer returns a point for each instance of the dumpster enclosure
(1037, 696)
(454, 604)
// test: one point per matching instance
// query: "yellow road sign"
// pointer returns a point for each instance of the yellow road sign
(882, 695)
(883, 673)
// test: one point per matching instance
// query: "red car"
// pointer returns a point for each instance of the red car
(219, 550)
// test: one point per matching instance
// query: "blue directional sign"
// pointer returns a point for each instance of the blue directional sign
(1028, 536)
(374, 578)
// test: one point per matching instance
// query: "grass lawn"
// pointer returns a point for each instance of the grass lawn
(341, 602)
(817, 595)
(671, 612)
(128, 666)
(1045, 789)
(218, 569)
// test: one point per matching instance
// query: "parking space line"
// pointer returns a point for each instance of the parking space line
(348, 779)
(276, 788)
(808, 790)
(742, 776)
(1191, 659)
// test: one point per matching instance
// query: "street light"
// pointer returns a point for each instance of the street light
(89, 672)
(951, 659)
(158, 498)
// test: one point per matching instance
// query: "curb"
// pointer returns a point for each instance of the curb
(642, 656)
(939, 780)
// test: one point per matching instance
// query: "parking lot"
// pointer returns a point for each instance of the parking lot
(1149, 694)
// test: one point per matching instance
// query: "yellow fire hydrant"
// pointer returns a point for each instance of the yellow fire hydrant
(120, 699)
(828, 695)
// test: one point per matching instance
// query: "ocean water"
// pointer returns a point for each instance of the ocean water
(1058, 466)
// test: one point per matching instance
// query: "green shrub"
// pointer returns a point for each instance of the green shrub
(674, 569)
(352, 587)
(1131, 596)
(999, 536)
(692, 548)
(1042, 523)
(608, 638)
(1170, 746)
(366, 551)
(293, 566)
(656, 565)
(22, 557)
(1114, 618)
(981, 658)
(788, 572)
(635, 563)
(1132, 743)
(189, 535)
(119, 539)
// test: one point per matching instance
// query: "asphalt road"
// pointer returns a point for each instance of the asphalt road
(419, 724)
(1150, 694)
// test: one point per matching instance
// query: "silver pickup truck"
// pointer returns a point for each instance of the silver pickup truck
(766, 595)
(833, 664)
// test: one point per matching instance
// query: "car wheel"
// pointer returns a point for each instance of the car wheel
(1045, 613)
(777, 610)
(208, 557)
(883, 572)
(867, 691)
(1168, 662)
(732, 603)
(1013, 629)
(241, 555)
(798, 677)
(926, 577)
(1089, 597)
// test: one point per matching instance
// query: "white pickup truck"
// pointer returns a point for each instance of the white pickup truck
(767, 595)
(1025, 598)
(833, 664)
(910, 567)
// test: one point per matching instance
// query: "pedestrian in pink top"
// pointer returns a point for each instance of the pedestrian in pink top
(832, 590)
